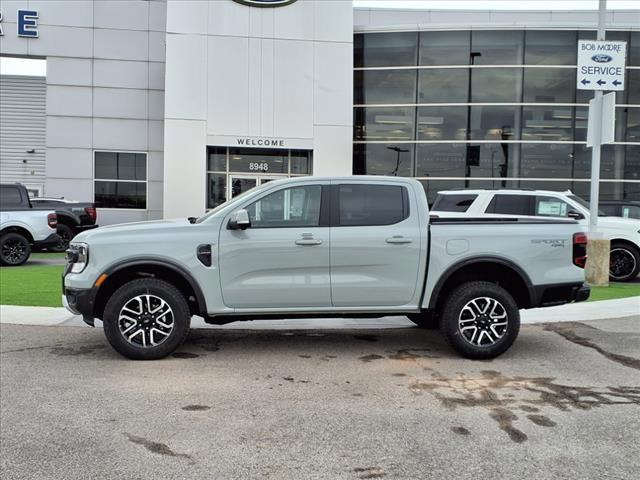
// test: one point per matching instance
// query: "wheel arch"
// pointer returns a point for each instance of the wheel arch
(162, 269)
(497, 270)
(17, 229)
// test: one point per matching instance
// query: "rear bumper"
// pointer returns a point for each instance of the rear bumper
(558, 294)
(52, 239)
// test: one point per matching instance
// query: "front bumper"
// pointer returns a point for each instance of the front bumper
(79, 302)
(52, 239)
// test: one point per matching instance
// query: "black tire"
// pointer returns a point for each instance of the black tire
(66, 235)
(130, 292)
(15, 249)
(624, 262)
(425, 320)
(502, 322)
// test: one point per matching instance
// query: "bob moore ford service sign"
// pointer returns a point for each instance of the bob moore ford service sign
(601, 65)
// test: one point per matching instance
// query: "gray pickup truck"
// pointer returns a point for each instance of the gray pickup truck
(323, 247)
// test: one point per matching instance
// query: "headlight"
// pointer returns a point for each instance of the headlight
(78, 257)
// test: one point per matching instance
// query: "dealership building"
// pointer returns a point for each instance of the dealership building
(156, 108)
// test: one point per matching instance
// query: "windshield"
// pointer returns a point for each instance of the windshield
(585, 204)
(210, 213)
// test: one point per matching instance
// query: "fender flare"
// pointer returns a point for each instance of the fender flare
(161, 262)
(467, 262)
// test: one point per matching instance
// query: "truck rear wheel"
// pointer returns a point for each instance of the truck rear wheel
(146, 319)
(66, 235)
(14, 249)
(480, 320)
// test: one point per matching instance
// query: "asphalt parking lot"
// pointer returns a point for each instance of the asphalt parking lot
(564, 402)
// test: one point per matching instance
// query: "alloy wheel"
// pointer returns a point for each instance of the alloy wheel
(146, 321)
(483, 321)
(13, 250)
(622, 263)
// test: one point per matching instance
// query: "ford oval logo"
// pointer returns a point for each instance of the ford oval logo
(265, 3)
(602, 58)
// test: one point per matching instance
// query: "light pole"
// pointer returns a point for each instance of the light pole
(398, 150)
(467, 173)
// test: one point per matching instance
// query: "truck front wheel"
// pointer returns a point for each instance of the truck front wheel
(480, 320)
(146, 319)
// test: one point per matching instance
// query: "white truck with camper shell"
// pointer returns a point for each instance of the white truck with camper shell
(323, 247)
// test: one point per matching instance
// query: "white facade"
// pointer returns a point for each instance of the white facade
(243, 74)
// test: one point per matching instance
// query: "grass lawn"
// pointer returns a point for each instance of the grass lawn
(47, 256)
(37, 285)
(614, 290)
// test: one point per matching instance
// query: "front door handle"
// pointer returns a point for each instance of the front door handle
(398, 239)
(308, 241)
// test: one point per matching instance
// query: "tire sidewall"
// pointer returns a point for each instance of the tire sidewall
(636, 254)
(159, 288)
(453, 307)
(25, 242)
(59, 248)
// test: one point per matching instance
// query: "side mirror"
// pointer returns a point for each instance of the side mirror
(239, 220)
(575, 215)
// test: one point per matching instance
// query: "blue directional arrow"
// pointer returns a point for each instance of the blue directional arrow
(601, 82)
(617, 82)
(585, 81)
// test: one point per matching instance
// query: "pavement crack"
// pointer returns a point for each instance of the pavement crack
(156, 447)
(569, 334)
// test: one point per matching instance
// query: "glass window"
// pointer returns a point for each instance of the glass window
(120, 180)
(301, 162)
(121, 194)
(384, 123)
(10, 196)
(549, 85)
(633, 124)
(449, 85)
(361, 205)
(550, 47)
(511, 204)
(217, 159)
(454, 203)
(546, 160)
(551, 207)
(633, 87)
(502, 47)
(445, 48)
(383, 159)
(631, 211)
(442, 123)
(385, 49)
(290, 207)
(631, 165)
(547, 123)
(257, 160)
(495, 123)
(496, 84)
(385, 86)
(494, 160)
(441, 160)
(634, 50)
(216, 189)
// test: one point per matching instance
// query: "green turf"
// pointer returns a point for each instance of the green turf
(37, 285)
(47, 256)
(614, 290)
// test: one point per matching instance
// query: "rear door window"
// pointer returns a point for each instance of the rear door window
(367, 205)
(506, 204)
(551, 207)
(453, 203)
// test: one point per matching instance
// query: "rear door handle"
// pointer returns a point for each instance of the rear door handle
(398, 239)
(308, 241)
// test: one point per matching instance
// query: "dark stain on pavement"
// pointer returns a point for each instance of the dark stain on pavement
(155, 447)
(184, 355)
(569, 333)
(529, 408)
(542, 420)
(370, 358)
(369, 472)
(196, 408)
(304, 356)
(76, 350)
(460, 431)
(505, 419)
(366, 338)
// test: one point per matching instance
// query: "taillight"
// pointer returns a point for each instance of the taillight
(91, 211)
(52, 220)
(580, 249)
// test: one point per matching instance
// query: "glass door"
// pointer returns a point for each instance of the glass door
(239, 184)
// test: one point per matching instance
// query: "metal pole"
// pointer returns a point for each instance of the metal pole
(595, 150)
